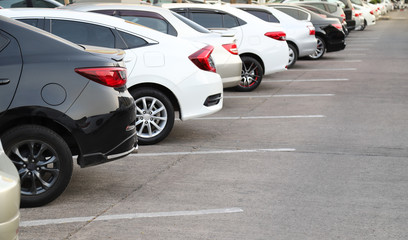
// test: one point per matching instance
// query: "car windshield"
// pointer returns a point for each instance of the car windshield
(192, 24)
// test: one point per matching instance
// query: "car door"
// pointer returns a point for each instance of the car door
(10, 69)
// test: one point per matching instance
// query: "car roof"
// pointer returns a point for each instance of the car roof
(89, 17)
(226, 8)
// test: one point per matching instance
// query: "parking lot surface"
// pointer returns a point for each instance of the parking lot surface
(316, 152)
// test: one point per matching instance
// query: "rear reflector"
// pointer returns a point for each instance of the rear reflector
(202, 59)
(108, 76)
(281, 36)
(232, 48)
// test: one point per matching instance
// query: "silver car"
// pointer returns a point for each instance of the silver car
(9, 198)
(300, 35)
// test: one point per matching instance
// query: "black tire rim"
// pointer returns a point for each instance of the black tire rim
(250, 74)
(38, 165)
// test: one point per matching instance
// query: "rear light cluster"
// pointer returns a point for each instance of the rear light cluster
(280, 36)
(202, 59)
(108, 76)
(372, 12)
(312, 30)
(232, 48)
(343, 16)
(358, 14)
(338, 26)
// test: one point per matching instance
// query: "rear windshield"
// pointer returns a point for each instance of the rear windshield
(192, 24)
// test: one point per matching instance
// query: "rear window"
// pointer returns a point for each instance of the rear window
(83, 33)
(266, 16)
(192, 24)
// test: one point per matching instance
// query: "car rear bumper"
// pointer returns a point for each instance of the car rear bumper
(197, 91)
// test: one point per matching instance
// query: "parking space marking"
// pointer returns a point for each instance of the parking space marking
(358, 49)
(322, 69)
(282, 95)
(331, 61)
(259, 117)
(215, 152)
(128, 216)
(306, 80)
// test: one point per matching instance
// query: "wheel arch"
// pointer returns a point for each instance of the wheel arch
(11, 120)
(164, 90)
(248, 54)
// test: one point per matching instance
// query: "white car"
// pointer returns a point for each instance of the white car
(300, 35)
(360, 21)
(261, 45)
(367, 13)
(9, 198)
(225, 54)
(165, 73)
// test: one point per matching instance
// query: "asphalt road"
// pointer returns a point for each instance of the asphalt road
(316, 152)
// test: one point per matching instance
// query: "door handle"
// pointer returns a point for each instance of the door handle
(4, 81)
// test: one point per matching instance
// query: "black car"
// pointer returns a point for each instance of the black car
(329, 32)
(327, 14)
(58, 100)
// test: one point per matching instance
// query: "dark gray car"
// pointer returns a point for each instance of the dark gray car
(58, 99)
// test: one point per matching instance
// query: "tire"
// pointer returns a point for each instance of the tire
(364, 25)
(321, 49)
(251, 74)
(43, 161)
(293, 55)
(154, 113)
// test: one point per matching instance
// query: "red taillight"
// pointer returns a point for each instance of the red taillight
(338, 26)
(372, 12)
(202, 59)
(108, 76)
(356, 14)
(312, 30)
(281, 36)
(343, 16)
(232, 48)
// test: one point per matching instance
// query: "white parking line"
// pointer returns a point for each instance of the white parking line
(128, 216)
(322, 69)
(357, 49)
(215, 152)
(303, 95)
(259, 117)
(281, 95)
(307, 80)
(331, 61)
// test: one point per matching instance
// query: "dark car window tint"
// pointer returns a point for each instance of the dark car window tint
(192, 24)
(32, 22)
(268, 17)
(291, 12)
(318, 5)
(132, 41)
(83, 33)
(230, 21)
(153, 23)
(13, 4)
(332, 8)
(303, 15)
(106, 12)
(42, 4)
(3, 42)
(208, 20)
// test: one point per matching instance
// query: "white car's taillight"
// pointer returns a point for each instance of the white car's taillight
(312, 30)
(231, 47)
(281, 36)
(202, 59)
